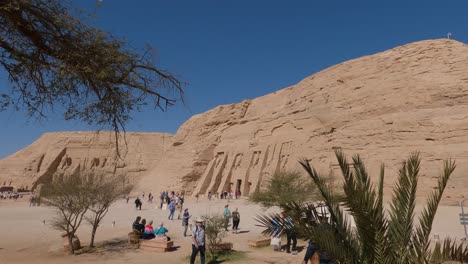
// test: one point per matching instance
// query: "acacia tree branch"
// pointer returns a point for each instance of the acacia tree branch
(53, 59)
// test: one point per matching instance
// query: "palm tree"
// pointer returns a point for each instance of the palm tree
(379, 236)
(283, 187)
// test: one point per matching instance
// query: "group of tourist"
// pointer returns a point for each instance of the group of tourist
(147, 231)
(173, 200)
(10, 195)
(170, 200)
(235, 219)
(225, 195)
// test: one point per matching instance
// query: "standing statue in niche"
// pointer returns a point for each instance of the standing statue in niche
(284, 161)
(256, 158)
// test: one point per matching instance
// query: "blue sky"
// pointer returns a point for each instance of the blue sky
(228, 51)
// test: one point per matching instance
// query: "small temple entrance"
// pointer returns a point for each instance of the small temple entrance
(238, 186)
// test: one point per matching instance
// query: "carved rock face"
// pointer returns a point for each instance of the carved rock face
(383, 106)
(84, 154)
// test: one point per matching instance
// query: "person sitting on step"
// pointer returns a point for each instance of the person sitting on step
(160, 233)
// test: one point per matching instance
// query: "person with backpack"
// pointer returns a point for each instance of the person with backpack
(198, 241)
(235, 221)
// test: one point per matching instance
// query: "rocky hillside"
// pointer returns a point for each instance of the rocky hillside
(89, 154)
(383, 106)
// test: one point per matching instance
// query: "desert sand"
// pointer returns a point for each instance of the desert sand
(25, 238)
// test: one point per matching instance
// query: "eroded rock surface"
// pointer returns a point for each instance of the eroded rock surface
(383, 106)
(88, 154)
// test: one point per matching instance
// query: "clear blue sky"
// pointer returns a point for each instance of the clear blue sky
(228, 51)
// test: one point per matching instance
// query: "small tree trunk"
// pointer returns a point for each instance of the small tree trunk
(70, 244)
(93, 234)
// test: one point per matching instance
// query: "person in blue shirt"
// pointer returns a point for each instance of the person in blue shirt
(311, 249)
(185, 221)
(171, 210)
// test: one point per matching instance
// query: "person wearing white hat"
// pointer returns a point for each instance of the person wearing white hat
(198, 241)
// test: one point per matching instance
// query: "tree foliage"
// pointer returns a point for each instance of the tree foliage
(53, 60)
(70, 198)
(377, 235)
(284, 187)
(76, 198)
(104, 193)
(215, 232)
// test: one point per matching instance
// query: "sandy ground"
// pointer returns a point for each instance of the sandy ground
(24, 238)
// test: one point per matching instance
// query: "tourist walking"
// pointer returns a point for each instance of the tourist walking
(171, 210)
(198, 241)
(138, 203)
(227, 216)
(185, 221)
(162, 198)
(235, 221)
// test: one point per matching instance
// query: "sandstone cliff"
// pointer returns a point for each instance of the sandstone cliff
(383, 106)
(88, 154)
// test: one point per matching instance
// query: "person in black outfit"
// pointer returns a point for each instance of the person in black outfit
(141, 227)
(290, 233)
(136, 223)
(138, 203)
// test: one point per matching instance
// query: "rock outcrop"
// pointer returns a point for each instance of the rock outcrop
(383, 106)
(86, 154)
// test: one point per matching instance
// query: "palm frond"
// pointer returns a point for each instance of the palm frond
(450, 250)
(343, 231)
(272, 224)
(381, 239)
(378, 237)
(400, 226)
(421, 235)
